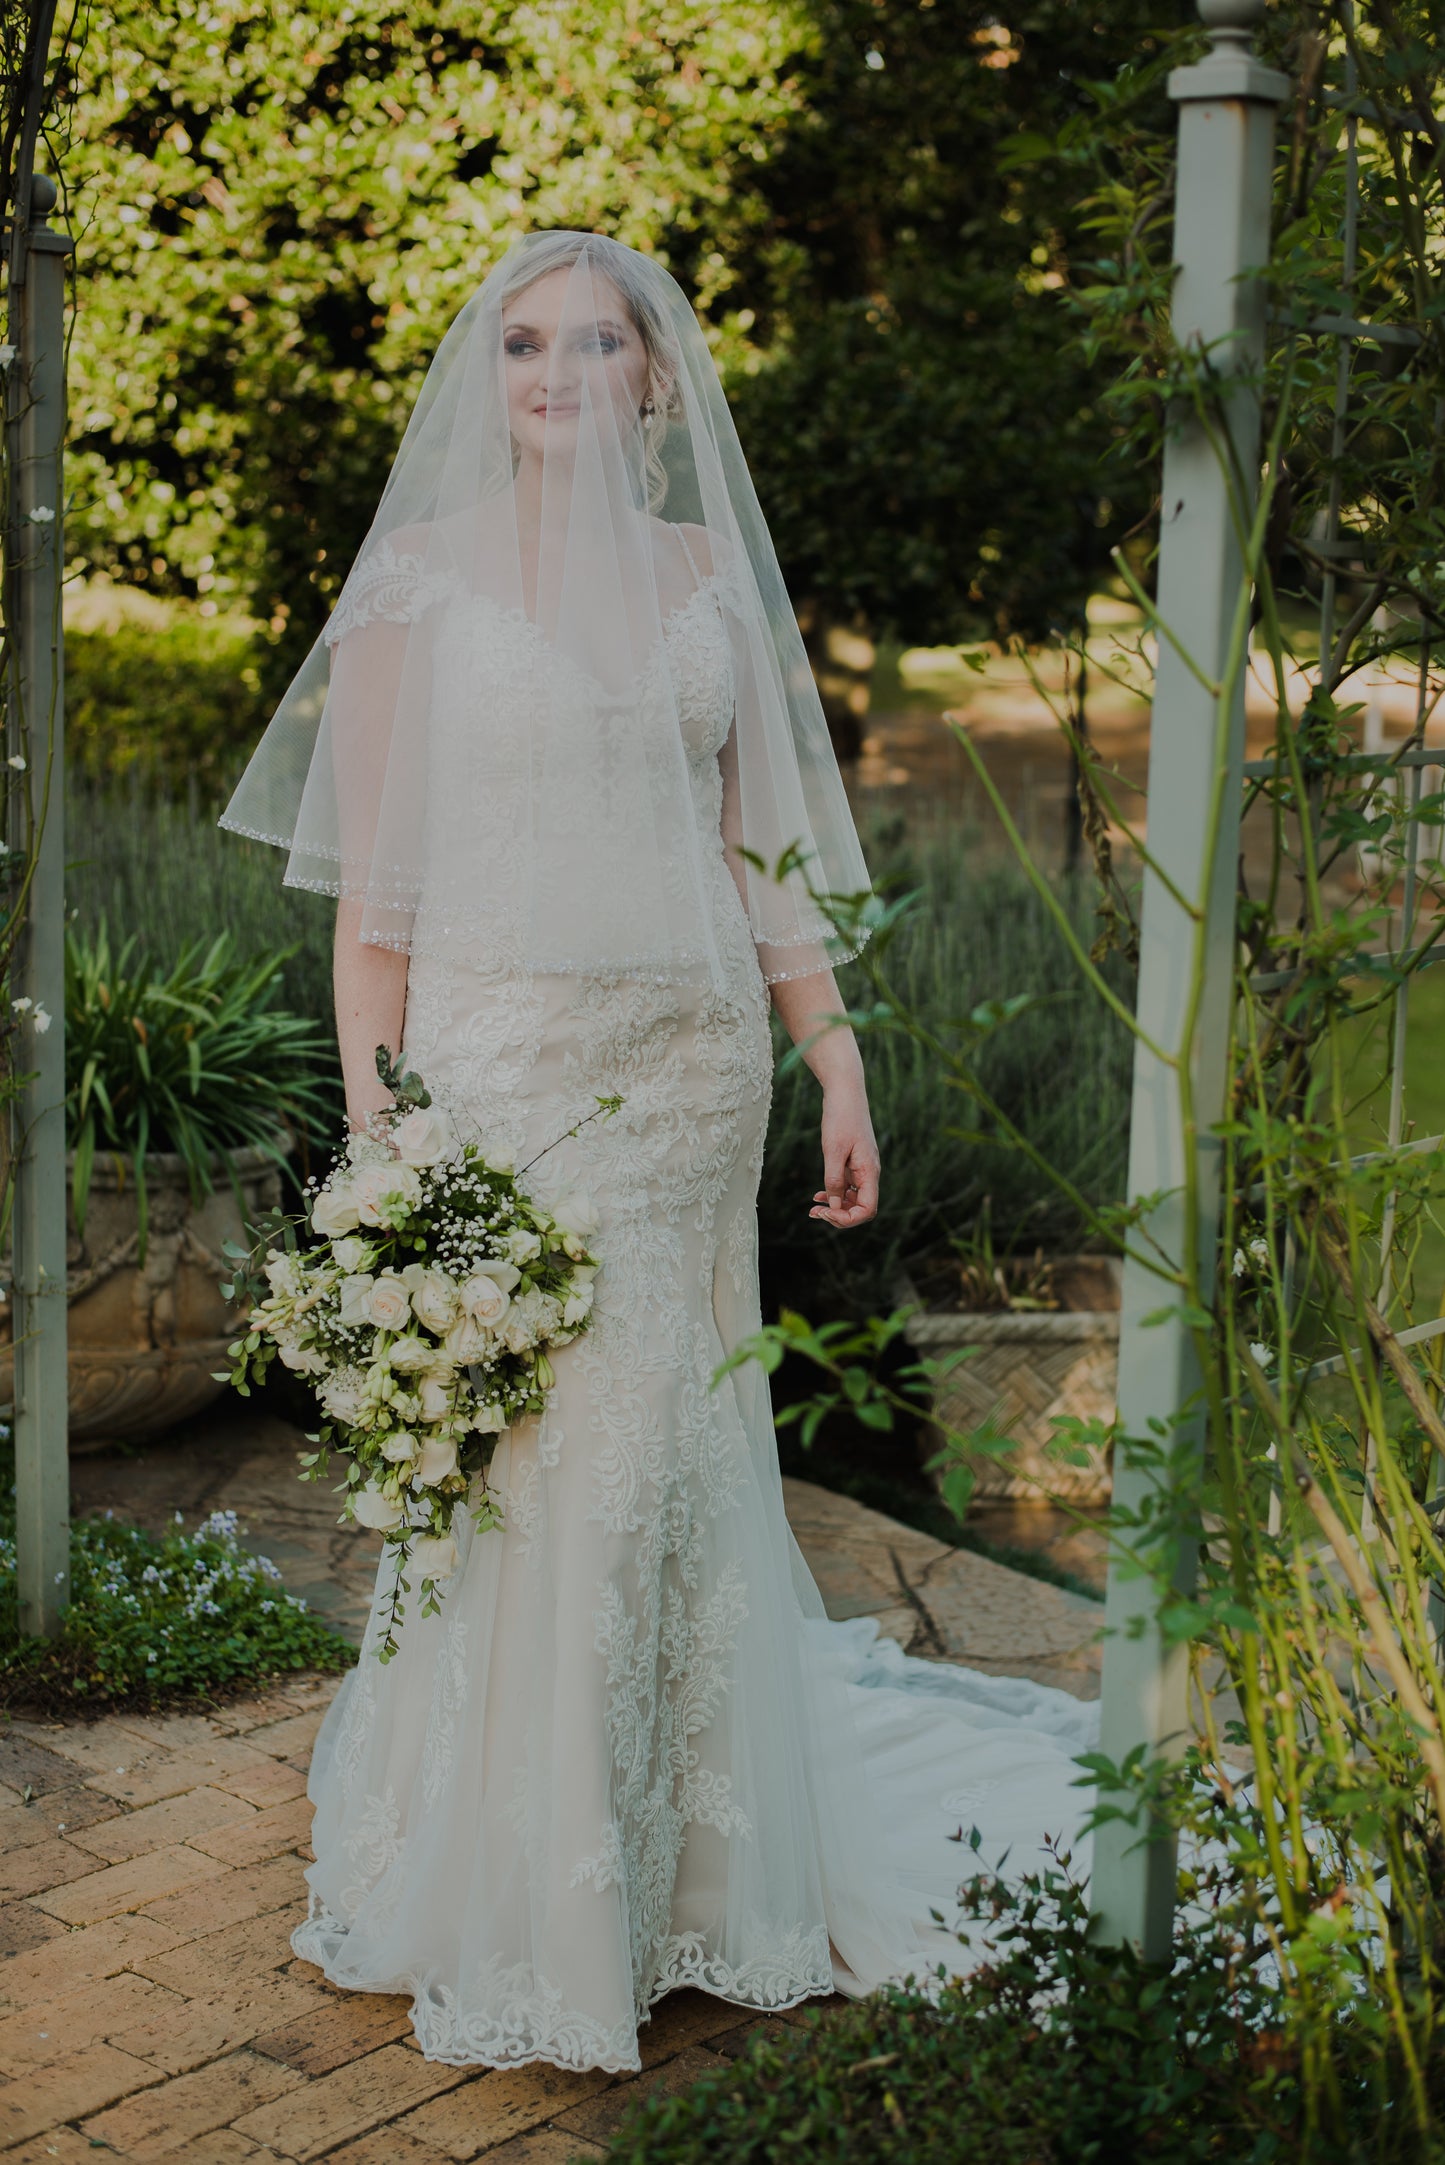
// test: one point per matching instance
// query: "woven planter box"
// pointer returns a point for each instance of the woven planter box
(1030, 1368)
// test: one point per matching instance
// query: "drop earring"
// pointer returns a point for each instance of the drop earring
(647, 414)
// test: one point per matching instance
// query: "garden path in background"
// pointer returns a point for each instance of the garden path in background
(150, 1868)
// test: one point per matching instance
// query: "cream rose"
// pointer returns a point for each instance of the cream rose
(301, 1360)
(522, 1246)
(532, 1317)
(488, 1421)
(437, 1461)
(424, 1137)
(435, 1300)
(433, 1556)
(335, 1209)
(388, 1304)
(411, 1354)
(466, 1341)
(345, 1396)
(575, 1216)
(385, 1193)
(486, 1295)
(370, 1508)
(351, 1253)
(437, 1398)
(399, 1448)
(356, 1298)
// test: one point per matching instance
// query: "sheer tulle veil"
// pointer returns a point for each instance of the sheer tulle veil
(593, 856)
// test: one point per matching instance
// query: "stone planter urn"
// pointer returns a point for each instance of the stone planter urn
(1029, 1368)
(145, 1339)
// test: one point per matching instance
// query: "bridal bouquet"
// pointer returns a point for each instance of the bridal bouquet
(420, 1291)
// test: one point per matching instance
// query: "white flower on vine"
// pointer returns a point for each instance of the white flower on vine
(7, 355)
(23, 1005)
(17, 761)
(42, 1022)
(1260, 1354)
(42, 515)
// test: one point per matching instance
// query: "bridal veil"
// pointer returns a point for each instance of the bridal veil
(591, 856)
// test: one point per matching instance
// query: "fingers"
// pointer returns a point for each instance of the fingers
(850, 1195)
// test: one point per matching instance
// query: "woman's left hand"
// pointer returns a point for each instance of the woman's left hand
(849, 1194)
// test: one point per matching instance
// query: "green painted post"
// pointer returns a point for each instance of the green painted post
(36, 808)
(1221, 230)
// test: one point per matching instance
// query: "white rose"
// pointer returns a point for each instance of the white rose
(433, 1556)
(302, 1361)
(467, 1341)
(436, 1399)
(285, 1275)
(370, 1508)
(522, 1246)
(335, 1209)
(424, 1137)
(356, 1298)
(488, 1420)
(399, 1448)
(351, 1253)
(576, 1219)
(411, 1355)
(388, 1304)
(435, 1300)
(531, 1318)
(345, 1396)
(486, 1294)
(385, 1193)
(577, 1306)
(437, 1461)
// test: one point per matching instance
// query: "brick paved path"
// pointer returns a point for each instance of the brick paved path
(151, 2005)
(150, 1870)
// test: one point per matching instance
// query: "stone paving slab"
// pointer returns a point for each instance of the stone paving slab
(150, 2004)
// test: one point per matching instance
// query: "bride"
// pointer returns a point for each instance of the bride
(559, 756)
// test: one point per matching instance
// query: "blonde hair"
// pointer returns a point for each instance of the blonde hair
(645, 298)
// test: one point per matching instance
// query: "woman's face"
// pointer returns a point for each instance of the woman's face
(566, 338)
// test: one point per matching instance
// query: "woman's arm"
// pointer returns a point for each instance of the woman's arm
(370, 988)
(849, 1194)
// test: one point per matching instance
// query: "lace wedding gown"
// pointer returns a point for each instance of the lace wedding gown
(630, 1753)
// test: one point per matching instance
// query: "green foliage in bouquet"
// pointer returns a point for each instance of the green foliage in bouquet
(196, 1059)
(420, 1290)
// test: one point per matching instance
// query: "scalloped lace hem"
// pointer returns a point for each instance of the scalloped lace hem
(538, 2027)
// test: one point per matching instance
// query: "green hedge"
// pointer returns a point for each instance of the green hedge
(172, 701)
(1055, 2052)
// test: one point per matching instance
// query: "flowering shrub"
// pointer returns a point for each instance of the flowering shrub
(158, 1617)
(420, 1289)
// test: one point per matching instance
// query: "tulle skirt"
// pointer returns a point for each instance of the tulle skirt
(631, 1753)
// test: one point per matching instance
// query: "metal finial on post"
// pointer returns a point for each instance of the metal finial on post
(1221, 234)
(34, 554)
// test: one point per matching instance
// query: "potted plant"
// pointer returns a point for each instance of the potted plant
(186, 1089)
(1043, 1338)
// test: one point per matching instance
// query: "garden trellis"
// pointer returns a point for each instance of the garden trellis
(34, 553)
(1216, 1151)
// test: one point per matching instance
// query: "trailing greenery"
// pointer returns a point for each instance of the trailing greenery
(194, 1059)
(1053, 2051)
(156, 1619)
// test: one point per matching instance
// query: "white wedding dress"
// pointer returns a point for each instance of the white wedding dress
(630, 1753)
